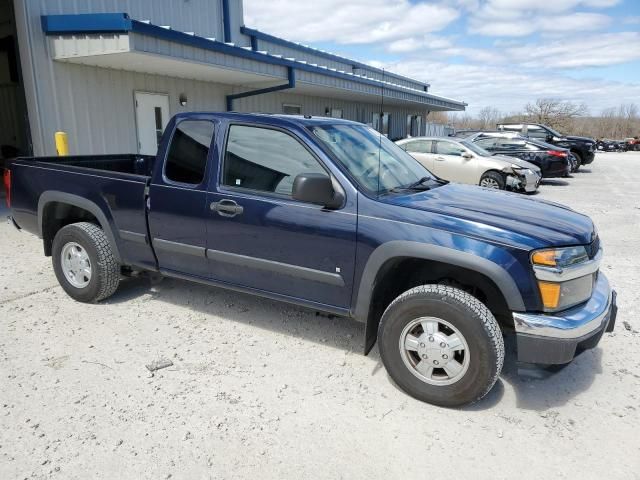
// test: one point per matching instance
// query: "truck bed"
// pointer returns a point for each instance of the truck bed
(110, 187)
(127, 163)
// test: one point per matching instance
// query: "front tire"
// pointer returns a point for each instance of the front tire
(493, 180)
(84, 263)
(578, 160)
(441, 345)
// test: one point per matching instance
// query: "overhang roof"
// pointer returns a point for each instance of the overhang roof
(113, 40)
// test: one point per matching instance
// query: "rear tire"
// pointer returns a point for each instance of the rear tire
(493, 180)
(84, 263)
(441, 345)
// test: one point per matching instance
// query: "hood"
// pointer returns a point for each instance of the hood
(517, 161)
(515, 218)
(580, 139)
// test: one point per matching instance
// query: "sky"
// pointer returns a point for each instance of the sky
(495, 53)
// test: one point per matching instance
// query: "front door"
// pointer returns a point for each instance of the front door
(152, 116)
(449, 163)
(260, 237)
(421, 151)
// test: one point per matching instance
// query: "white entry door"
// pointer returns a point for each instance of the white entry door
(152, 116)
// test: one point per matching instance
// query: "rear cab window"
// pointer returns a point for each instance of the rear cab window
(186, 160)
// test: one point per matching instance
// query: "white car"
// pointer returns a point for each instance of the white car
(464, 162)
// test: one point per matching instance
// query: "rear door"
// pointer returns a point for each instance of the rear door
(421, 150)
(178, 198)
(260, 237)
(449, 163)
(152, 116)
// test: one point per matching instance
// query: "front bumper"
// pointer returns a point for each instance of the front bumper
(553, 339)
(527, 182)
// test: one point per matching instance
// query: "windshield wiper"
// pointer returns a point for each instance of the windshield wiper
(419, 186)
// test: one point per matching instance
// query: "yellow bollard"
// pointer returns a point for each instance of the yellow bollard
(62, 145)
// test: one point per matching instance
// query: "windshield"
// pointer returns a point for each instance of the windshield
(476, 149)
(363, 152)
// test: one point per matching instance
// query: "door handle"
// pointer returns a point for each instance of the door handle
(440, 159)
(226, 208)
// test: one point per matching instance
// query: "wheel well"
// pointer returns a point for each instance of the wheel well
(401, 274)
(57, 215)
(492, 170)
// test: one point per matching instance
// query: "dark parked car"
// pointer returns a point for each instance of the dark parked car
(583, 148)
(608, 145)
(552, 161)
(330, 215)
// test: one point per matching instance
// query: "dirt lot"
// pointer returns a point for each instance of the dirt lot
(262, 389)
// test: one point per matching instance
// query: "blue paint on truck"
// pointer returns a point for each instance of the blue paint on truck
(350, 257)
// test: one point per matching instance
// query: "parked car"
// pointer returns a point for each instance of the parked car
(606, 145)
(551, 160)
(328, 214)
(464, 162)
(633, 144)
(583, 148)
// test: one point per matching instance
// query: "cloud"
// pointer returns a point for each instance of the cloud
(348, 22)
(521, 25)
(595, 51)
(510, 90)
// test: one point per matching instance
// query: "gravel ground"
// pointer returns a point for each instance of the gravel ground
(268, 390)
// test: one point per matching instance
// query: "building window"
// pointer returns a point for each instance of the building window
(254, 160)
(188, 152)
(291, 109)
(380, 122)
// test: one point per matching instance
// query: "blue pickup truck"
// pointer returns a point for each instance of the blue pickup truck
(330, 215)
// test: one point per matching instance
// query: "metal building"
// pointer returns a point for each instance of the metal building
(110, 73)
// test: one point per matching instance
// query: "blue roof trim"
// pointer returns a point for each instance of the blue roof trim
(120, 23)
(330, 56)
(86, 22)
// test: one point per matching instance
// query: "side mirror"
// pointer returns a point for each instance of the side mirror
(467, 155)
(317, 188)
(550, 138)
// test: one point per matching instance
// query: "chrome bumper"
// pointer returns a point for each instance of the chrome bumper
(573, 323)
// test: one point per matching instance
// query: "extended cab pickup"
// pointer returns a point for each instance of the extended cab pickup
(582, 148)
(328, 214)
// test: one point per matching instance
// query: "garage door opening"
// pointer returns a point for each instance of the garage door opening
(14, 123)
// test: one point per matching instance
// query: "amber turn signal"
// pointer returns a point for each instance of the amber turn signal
(544, 257)
(550, 293)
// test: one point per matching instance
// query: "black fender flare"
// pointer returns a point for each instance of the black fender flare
(62, 197)
(403, 249)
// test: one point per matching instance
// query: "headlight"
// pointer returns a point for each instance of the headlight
(560, 257)
(565, 276)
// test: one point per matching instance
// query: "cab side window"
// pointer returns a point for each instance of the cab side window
(534, 131)
(419, 146)
(187, 157)
(449, 148)
(264, 159)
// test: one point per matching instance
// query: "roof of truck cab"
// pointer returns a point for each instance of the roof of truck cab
(271, 119)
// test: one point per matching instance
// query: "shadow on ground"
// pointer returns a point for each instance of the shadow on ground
(554, 182)
(535, 388)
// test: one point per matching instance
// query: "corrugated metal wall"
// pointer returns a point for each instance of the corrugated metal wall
(54, 94)
(95, 105)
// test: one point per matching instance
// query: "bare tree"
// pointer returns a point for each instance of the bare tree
(488, 117)
(555, 113)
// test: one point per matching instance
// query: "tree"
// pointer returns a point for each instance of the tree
(555, 113)
(488, 117)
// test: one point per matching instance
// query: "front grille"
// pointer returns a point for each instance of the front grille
(593, 247)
